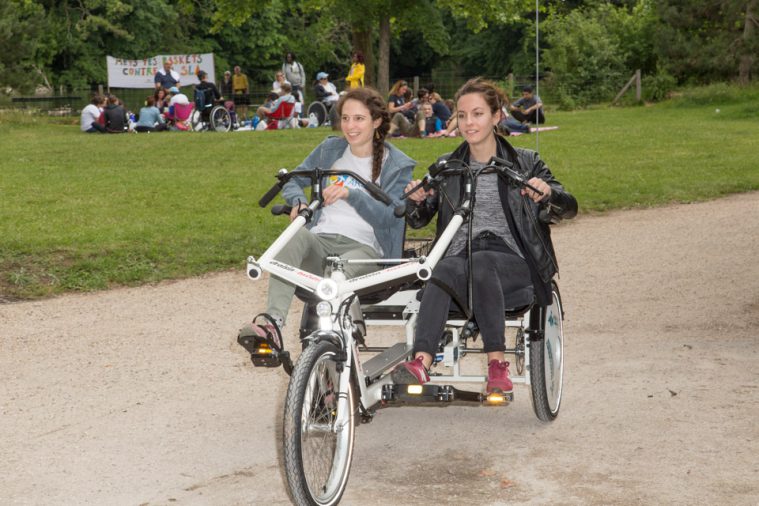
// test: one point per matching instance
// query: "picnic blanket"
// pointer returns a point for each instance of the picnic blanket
(536, 129)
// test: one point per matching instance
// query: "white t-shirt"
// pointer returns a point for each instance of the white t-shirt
(333, 95)
(277, 86)
(340, 217)
(90, 114)
(179, 98)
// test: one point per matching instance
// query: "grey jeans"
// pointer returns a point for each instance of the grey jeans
(309, 251)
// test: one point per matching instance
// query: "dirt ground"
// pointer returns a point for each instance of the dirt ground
(140, 396)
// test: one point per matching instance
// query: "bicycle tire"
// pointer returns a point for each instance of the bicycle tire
(547, 361)
(317, 455)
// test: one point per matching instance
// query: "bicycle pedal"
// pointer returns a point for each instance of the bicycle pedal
(262, 351)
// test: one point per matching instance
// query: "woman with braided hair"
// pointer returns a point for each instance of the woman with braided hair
(350, 223)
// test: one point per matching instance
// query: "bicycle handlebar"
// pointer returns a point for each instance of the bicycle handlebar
(315, 175)
(274, 190)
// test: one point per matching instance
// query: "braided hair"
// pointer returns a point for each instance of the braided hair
(378, 110)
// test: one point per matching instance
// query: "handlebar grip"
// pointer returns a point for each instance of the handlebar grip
(377, 192)
(273, 191)
(550, 214)
(281, 209)
(400, 210)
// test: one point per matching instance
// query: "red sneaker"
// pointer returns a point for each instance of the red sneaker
(498, 377)
(412, 372)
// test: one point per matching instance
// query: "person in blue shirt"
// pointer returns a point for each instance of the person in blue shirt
(167, 77)
(150, 119)
(439, 108)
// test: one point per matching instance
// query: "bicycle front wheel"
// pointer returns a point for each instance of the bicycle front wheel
(317, 448)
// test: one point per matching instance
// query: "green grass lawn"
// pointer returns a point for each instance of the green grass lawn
(86, 212)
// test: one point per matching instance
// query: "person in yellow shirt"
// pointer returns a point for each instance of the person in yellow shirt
(241, 92)
(355, 77)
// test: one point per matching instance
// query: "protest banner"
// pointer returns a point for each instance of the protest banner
(140, 73)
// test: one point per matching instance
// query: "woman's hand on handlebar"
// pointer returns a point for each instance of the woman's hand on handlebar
(333, 193)
(420, 194)
(540, 185)
(295, 209)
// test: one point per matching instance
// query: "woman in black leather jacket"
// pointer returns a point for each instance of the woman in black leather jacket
(511, 246)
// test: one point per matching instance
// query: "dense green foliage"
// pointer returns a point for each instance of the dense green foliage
(590, 51)
(85, 212)
(589, 47)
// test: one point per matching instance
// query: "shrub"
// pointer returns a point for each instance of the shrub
(657, 87)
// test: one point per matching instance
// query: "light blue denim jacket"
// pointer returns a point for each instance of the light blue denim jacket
(396, 174)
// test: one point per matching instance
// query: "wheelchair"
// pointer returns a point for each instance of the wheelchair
(324, 114)
(331, 389)
(208, 115)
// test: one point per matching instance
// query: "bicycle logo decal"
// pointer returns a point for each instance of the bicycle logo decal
(552, 321)
(345, 181)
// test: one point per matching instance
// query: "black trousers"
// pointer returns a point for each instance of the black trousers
(535, 117)
(495, 273)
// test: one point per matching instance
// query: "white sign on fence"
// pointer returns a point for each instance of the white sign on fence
(125, 73)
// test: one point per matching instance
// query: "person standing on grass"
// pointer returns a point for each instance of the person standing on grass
(241, 92)
(295, 75)
(166, 77)
(356, 73)
(226, 88)
(511, 247)
(350, 223)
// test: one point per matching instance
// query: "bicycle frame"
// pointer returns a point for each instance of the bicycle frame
(340, 292)
(336, 290)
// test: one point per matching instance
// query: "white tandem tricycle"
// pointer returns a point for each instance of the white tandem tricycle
(333, 387)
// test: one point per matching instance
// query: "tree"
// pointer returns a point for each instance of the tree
(748, 43)
(708, 40)
(22, 61)
(384, 19)
(592, 51)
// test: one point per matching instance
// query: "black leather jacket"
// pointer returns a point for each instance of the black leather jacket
(532, 236)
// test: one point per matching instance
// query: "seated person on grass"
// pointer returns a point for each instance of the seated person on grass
(264, 112)
(528, 108)
(150, 119)
(428, 124)
(90, 120)
(116, 121)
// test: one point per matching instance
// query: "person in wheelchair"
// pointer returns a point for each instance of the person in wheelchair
(211, 95)
(350, 222)
(327, 94)
(511, 246)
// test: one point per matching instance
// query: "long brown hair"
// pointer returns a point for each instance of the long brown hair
(378, 110)
(397, 86)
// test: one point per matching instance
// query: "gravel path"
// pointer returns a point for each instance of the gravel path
(141, 396)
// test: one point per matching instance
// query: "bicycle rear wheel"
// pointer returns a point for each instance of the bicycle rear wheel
(317, 450)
